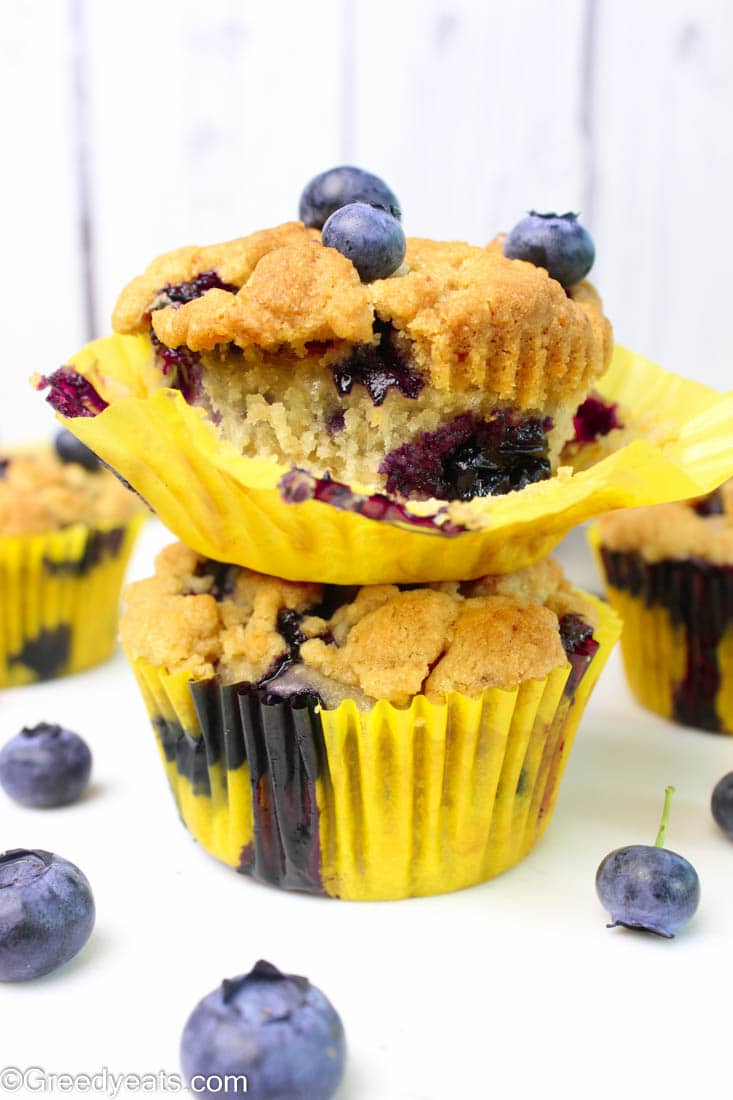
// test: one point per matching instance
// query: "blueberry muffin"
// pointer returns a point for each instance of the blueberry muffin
(329, 400)
(458, 376)
(669, 574)
(67, 527)
(373, 742)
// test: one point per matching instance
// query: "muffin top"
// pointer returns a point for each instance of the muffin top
(699, 528)
(369, 643)
(471, 319)
(40, 493)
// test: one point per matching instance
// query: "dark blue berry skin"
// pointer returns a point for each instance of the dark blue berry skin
(45, 766)
(556, 242)
(276, 1029)
(46, 913)
(722, 804)
(648, 888)
(340, 186)
(371, 238)
(71, 449)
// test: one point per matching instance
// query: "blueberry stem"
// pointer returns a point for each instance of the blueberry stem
(662, 834)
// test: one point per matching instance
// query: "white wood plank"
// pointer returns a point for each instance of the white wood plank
(207, 121)
(471, 110)
(40, 273)
(663, 94)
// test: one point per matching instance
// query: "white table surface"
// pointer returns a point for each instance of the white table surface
(510, 989)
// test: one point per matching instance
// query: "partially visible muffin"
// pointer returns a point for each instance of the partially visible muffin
(456, 377)
(40, 493)
(669, 573)
(67, 527)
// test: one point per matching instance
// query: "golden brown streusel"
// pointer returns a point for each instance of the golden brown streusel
(474, 319)
(381, 642)
(39, 493)
(665, 531)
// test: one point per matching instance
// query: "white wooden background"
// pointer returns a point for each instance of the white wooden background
(133, 127)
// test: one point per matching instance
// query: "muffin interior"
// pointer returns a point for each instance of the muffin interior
(456, 377)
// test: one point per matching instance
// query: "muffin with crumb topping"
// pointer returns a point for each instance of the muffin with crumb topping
(363, 742)
(669, 574)
(67, 528)
(458, 376)
(332, 401)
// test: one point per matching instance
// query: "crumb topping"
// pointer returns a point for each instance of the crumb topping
(700, 528)
(370, 643)
(39, 493)
(474, 320)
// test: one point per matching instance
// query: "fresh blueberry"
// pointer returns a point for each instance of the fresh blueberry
(46, 913)
(646, 887)
(368, 236)
(340, 186)
(722, 804)
(275, 1029)
(553, 241)
(71, 449)
(45, 765)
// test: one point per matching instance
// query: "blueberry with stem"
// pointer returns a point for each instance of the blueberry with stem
(648, 888)
(557, 242)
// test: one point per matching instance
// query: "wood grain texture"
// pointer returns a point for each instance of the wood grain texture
(41, 273)
(141, 126)
(471, 110)
(206, 124)
(662, 136)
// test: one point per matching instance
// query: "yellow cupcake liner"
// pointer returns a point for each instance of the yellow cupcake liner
(373, 805)
(232, 509)
(59, 599)
(677, 637)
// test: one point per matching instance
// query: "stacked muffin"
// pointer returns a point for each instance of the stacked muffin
(363, 672)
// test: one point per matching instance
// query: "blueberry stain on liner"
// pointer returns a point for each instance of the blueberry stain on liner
(699, 598)
(281, 742)
(100, 546)
(46, 654)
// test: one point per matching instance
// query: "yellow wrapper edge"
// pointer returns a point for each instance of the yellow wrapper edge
(229, 508)
(59, 621)
(410, 802)
(654, 651)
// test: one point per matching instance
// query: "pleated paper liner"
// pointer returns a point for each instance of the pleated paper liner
(264, 516)
(677, 638)
(59, 599)
(370, 805)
